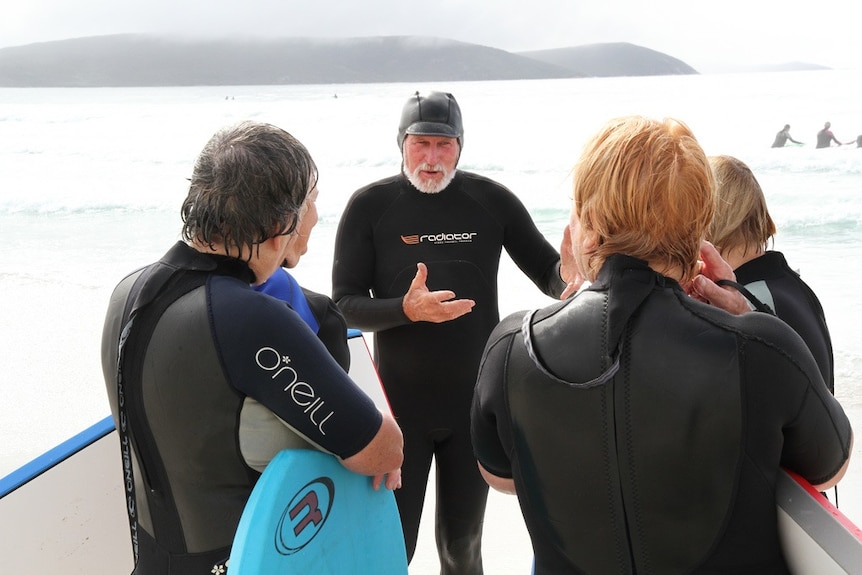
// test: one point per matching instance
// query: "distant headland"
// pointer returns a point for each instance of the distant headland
(133, 60)
(144, 60)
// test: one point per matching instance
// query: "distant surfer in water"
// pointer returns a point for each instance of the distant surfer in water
(825, 137)
(782, 137)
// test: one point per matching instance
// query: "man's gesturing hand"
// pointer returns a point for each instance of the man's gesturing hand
(420, 304)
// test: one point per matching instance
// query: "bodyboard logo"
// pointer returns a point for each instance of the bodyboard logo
(305, 515)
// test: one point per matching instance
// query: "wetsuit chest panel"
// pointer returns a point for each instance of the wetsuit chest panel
(452, 234)
(460, 242)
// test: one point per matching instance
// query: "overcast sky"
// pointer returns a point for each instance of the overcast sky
(703, 34)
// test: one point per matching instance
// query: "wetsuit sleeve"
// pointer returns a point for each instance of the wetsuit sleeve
(368, 313)
(772, 280)
(816, 431)
(353, 272)
(490, 423)
(270, 354)
(817, 440)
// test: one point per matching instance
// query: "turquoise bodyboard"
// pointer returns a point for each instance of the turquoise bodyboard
(308, 514)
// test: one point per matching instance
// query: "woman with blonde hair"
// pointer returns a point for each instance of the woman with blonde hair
(641, 429)
(741, 231)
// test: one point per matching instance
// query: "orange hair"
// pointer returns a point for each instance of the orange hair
(645, 188)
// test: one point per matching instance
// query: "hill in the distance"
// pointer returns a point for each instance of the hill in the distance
(616, 59)
(141, 60)
(785, 67)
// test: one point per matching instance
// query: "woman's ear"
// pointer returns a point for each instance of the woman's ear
(589, 241)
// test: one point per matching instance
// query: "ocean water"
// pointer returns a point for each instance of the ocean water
(91, 181)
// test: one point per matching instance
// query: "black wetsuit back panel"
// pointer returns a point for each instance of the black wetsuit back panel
(668, 463)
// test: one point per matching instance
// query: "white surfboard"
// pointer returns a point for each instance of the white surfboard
(64, 512)
(817, 538)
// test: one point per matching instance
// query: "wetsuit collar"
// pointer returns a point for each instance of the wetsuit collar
(629, 282)
(764, 266)
(623, 284)
(184, 257)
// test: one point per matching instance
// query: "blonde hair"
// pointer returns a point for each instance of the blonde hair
(645, 188)
(741, 223)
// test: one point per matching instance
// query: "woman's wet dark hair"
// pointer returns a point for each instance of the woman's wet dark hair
(249, 184)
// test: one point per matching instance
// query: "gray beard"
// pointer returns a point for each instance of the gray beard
(427, 187)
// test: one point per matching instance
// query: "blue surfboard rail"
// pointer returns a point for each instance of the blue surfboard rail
(58, 454)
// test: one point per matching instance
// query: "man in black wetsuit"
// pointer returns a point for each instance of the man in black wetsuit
(641, 429)
(741, 231)
(416, 261)
(783, 136)
(209, 379)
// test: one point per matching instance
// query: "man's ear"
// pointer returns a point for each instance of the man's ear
(281, 240)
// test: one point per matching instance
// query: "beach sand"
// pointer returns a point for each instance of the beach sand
(506, 548)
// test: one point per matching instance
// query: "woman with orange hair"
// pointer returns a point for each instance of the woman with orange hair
(641, 429)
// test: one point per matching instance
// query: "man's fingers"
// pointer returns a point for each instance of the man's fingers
(458, 307)
(443, 296)
(420, 278)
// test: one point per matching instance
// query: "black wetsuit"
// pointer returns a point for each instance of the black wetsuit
(771, 281)
(781, 139)
(644, 429)
(207, 366)
(825, 138)
(429, 369)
